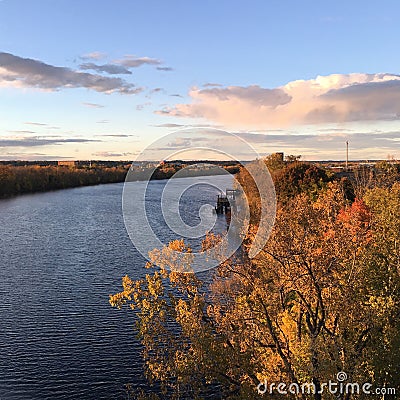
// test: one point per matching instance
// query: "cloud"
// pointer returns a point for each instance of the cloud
(273, 138)
(93, 105)
(335, 98)
(37, 141)
(140, 107)
(375, 99)
(211, 84)
(95, 55)
(310, 139)
(103, 121)
(123, 65)
(169, 126)
(335, 130)
(22, 131)
(35, 123)
(11, 156)
(111, 154)
(255, 95)
(25, 72)
(111, 69)
(210, 136)
(117, 135)
(169, 111)
(131, 61)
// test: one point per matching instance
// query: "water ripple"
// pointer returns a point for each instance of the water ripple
(61, 254)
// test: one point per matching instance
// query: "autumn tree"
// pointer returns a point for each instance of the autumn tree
(296, 178)
(323, 296)
(387, 173)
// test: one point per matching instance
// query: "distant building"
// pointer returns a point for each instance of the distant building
(66, 163)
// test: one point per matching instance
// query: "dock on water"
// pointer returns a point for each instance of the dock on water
(225, 201)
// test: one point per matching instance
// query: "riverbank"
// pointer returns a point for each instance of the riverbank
(23, 179)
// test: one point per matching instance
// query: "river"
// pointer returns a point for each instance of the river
(61, 254)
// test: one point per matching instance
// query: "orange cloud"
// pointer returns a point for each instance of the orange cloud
(326, 99)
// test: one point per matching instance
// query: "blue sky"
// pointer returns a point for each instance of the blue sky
(298, 76)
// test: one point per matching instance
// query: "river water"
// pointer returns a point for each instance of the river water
(61, 254)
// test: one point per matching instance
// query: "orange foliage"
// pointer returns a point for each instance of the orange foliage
(356, 218)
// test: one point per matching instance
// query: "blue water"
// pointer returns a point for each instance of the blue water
(61, 254)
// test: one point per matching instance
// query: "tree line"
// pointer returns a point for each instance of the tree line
(15, 180)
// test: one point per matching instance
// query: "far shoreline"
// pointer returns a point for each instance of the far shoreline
(31, 179)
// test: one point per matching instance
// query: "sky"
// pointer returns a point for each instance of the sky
(101, 79)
